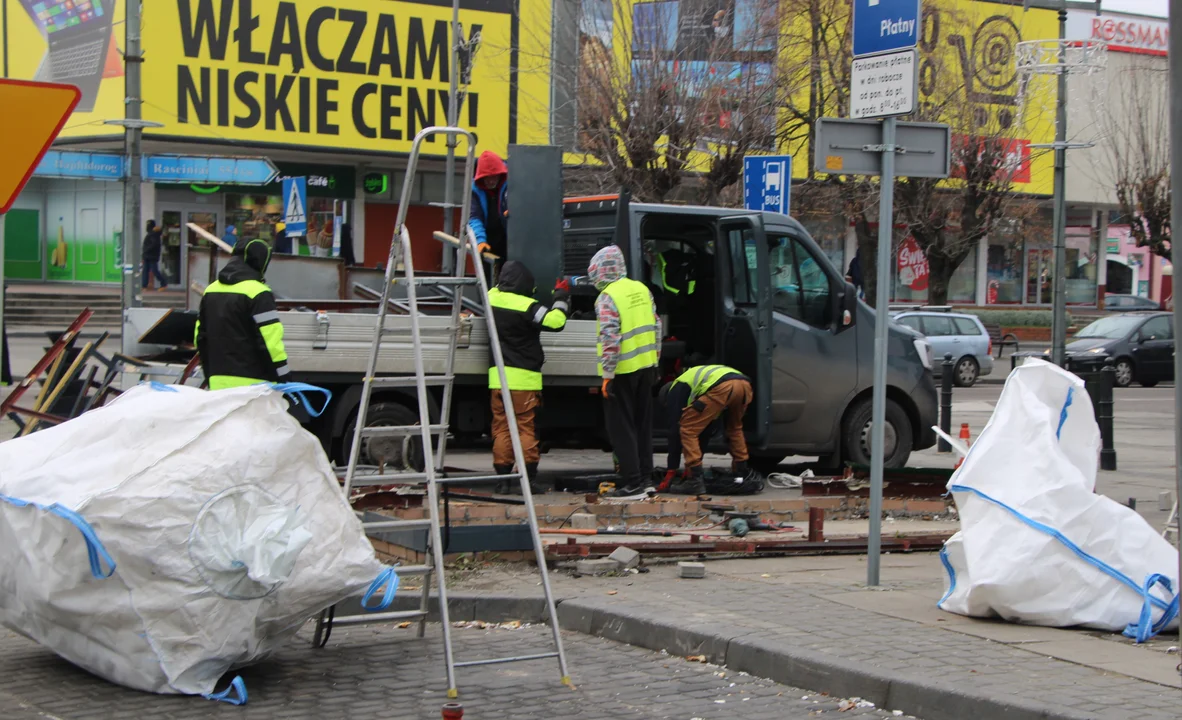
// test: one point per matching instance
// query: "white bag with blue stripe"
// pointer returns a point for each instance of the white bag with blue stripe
(174, 534)
(1037, 545)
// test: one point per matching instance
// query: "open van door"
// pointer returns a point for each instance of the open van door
(745, 321)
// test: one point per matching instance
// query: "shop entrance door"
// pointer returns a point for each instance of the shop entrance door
(1040, 277)
(178, 238)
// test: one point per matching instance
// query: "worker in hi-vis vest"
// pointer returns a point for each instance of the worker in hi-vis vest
(239, 336)
(520, 321)
(692, 402)
(629, 348)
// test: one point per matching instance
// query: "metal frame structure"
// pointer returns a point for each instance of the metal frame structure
(432, 474)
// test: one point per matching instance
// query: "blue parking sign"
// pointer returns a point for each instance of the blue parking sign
(767, 182)
(295, 206)
(883, 26)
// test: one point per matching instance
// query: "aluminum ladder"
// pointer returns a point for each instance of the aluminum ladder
(432, 475)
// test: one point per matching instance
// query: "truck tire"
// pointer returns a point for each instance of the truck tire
(855, 434)
(384, 450)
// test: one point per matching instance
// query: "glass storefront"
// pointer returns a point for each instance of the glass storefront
(912, 280)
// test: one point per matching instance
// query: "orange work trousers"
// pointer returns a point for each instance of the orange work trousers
(729, 396)
(525, 404)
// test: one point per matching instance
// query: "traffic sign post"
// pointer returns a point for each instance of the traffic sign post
(25, 137)
(295, 206)
(767, 182)
(883, 79)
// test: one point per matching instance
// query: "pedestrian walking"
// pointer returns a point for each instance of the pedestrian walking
(629, 348)
(520, 321)
(230, 237)
(152, 247)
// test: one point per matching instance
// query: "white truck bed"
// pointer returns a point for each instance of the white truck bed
(342, 346)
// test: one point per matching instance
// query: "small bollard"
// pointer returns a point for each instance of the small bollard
(945, 402)
(1104, 416)
(453, 711)
(1132, 503)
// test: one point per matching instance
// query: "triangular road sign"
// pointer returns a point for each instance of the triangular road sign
(27, 133)
(295, 208)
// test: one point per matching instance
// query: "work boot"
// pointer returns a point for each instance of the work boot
(531, 472)
(692, 483)
(504, 487)
(739, 469)
(627, 488)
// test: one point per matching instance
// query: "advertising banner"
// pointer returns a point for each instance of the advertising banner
(347, 74)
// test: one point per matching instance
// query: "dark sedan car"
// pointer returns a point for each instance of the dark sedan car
(1128, 303)
(1141, 345)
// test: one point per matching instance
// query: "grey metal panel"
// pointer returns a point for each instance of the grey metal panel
(293, 276)
(841, 143)
(570, 353)
(535, 211)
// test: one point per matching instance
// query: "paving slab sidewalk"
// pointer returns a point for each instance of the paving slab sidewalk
(811, 622)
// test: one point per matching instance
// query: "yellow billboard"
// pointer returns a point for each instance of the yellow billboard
(352, 75)
(967, 78)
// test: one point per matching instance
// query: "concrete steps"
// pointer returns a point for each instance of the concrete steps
(57, 306)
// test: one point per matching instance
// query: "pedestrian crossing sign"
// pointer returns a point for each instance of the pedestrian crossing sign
(295, 205)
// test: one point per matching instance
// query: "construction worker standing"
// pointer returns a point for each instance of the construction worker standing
(695, 400)
(629, 348)
(520, 321)
(238, 334)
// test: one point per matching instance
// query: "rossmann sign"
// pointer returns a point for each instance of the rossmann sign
(1123, 33)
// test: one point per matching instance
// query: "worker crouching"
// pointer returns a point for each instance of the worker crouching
(520, 321)
(239, 335)
(693, 401)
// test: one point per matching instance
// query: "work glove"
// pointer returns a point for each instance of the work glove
(483, 248)
(562, 289)
(606, 388)
(670, 476)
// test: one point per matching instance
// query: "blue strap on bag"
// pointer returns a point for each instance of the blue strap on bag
(388, 578)
(296, 390)
(97, 554)
(237, 686)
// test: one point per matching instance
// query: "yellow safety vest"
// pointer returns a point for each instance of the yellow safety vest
(700, 379)
(638, 326)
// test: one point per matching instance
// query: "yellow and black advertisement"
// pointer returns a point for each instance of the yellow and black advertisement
(359, 75)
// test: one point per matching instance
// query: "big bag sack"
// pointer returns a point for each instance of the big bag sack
(174, 534)
(1037, 545)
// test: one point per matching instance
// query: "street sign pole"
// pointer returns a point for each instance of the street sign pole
(1176, 222)
(1059, 215)
(886, 222)
(133, 134)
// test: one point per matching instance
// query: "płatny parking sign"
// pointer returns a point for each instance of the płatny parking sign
(883, 26)
(767, 182)
(883, 85)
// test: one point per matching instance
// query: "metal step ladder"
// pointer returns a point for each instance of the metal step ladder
(432, 433)
(1172, 525)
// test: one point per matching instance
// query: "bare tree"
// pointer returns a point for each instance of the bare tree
(689, 95)
(1135, 132)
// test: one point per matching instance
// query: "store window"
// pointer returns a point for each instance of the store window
(912, 276)
(1081, 267)
(1004, 270)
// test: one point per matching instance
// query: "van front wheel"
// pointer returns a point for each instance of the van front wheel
(856, 432)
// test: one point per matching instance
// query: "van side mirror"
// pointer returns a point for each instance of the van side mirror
(847, 306)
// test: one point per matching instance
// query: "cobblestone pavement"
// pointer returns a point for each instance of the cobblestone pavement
(384, 672)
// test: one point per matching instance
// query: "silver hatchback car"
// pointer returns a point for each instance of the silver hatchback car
(961, 335)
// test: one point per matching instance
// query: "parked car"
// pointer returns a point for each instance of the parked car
(961, 335)
(1141, 345)
(1128, 303)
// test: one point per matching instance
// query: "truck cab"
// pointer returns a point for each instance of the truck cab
(754, 291)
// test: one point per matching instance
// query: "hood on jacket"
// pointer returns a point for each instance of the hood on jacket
(607, 267)
(490, 164)
(516, 278)
(231, 230)
(248, 262)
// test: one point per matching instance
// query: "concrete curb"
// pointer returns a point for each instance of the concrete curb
(742, 650)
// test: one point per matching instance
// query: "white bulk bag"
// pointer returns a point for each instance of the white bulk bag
(213, 524)
(1036, 544)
